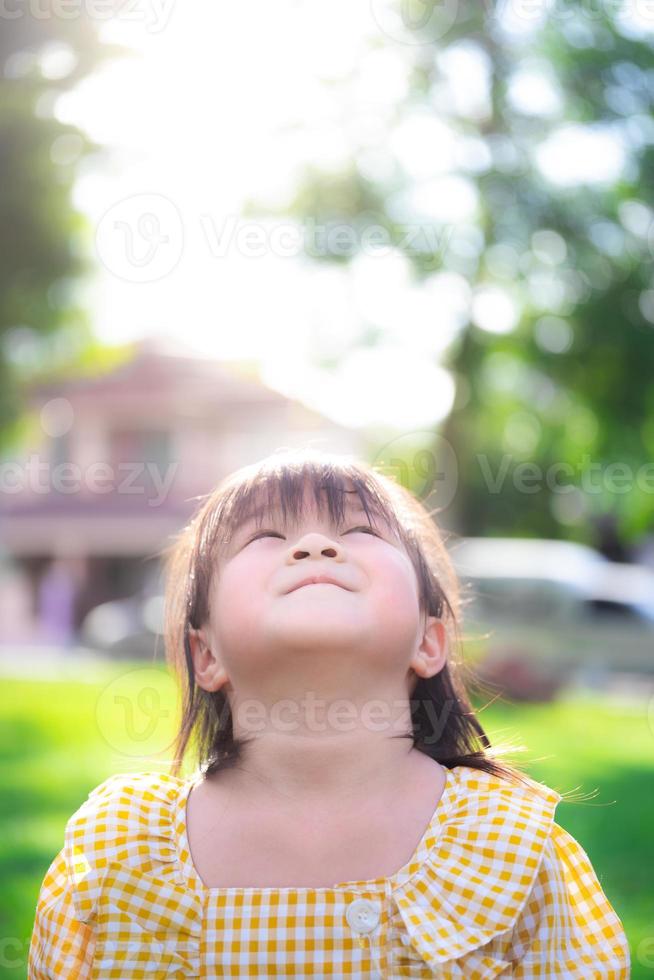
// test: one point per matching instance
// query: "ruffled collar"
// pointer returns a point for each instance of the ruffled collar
(466, 883)
(470, 875)
(481, 864)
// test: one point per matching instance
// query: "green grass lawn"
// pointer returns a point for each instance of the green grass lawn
(59, 739)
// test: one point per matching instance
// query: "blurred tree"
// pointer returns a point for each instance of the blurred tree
(552, 252)
(44, 50)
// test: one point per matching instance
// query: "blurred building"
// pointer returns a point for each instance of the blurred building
(119, 459)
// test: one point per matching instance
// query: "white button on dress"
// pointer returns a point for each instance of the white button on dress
(363, 915)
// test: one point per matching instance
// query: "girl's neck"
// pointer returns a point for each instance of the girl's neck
(306, 773)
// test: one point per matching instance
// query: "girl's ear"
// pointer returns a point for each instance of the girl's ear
(209, 671)
(431, 655)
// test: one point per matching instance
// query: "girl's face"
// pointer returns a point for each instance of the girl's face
(273, 636)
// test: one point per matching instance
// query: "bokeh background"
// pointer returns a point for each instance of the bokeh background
(418, 232)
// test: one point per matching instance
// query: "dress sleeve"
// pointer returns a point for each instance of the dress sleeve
(61, 945)
(567, 928)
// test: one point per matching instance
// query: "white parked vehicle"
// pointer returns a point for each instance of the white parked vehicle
(558, 603)
(130, 627)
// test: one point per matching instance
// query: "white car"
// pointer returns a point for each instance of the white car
(130, 627)
(558, 603)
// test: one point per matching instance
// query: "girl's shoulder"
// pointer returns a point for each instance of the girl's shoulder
(127, 821)
(140, 787)
(501, 880)
(477, 789)
(145, 797)
(498, 825)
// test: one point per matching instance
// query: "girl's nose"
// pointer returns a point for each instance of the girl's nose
(315, 544)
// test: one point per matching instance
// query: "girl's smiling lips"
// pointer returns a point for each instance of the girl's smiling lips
(318, 580)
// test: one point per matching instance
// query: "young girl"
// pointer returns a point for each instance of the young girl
(348, 816)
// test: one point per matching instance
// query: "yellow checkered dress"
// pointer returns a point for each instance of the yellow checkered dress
(495, 888)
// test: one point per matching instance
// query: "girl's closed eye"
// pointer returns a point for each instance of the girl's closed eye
(262, 534)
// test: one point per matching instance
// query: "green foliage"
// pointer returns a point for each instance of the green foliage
(570, 383)
(43, 240)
